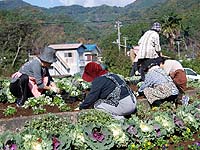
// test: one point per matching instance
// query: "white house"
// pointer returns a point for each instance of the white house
(72, 58)
(92, 53)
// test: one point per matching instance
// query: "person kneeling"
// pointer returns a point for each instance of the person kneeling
(109, 92)
(157, 86)
(33, 78)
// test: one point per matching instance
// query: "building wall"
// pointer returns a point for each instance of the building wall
(70, 58)
(74, 60)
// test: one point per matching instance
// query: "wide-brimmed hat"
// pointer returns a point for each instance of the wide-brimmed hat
(156, 26)
(48, 55)
(93, 70)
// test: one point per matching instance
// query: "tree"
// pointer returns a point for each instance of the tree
(15, 34)
(20, 34)
(171, 26)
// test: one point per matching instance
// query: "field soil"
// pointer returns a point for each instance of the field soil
(49, 109)
(29, 112)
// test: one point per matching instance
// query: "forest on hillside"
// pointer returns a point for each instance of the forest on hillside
(27, 29)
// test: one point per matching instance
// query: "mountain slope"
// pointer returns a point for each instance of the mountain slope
(143, 4)
(82, 14)
(100, 20)
(13, 4)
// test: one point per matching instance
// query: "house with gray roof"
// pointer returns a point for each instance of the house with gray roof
(72, 58)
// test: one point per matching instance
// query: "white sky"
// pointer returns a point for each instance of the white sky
(85, 3)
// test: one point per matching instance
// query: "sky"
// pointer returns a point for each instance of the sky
(85, 3)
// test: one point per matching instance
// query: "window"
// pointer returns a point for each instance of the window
(94, 57)
(68, 54)
(88, 57)
(190, 72)
(91, 57)
(68, 57)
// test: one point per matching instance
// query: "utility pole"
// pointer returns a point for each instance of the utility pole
(193, 50)
(118, 25)
(178, 46)
(125, 45)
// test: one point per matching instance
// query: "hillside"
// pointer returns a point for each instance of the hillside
(188, 11)
(13, 4)
(98, 22)
(101, 19)
(143, 4)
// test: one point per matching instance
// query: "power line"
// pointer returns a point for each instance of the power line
(92, 21)
(102, 21)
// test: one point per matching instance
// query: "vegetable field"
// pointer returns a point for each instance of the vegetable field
(166, 127)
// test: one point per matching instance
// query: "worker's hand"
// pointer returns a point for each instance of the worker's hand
(77, 108)
(55, 89)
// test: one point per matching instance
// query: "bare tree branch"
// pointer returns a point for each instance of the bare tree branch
(18, 49)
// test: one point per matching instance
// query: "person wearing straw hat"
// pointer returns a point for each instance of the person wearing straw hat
(33, 77)
(149, 46)
(109, 92)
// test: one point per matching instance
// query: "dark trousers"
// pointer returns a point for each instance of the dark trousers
(171, 98)
(141, 63)
(134, 69)
(20, 88)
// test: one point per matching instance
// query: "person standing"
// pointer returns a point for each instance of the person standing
(134, 60)
(149, 46)
(176, 71)
(33, 77)
(109, 92)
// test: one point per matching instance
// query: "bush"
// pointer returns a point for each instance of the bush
(192, 64)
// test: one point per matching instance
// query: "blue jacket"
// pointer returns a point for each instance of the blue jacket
(101, 87)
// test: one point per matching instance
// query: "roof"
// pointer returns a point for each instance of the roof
(91, 47)
(66, 46)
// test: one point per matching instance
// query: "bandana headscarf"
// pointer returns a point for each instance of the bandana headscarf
(156, 26)
(93, 70)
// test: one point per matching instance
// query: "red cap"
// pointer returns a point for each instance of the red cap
(93, 70)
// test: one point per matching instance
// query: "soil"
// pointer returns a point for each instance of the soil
(184, 144)
(28, 112)
(49, 109)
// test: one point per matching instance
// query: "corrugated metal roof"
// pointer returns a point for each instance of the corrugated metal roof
(90, 47)
(66, 46)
